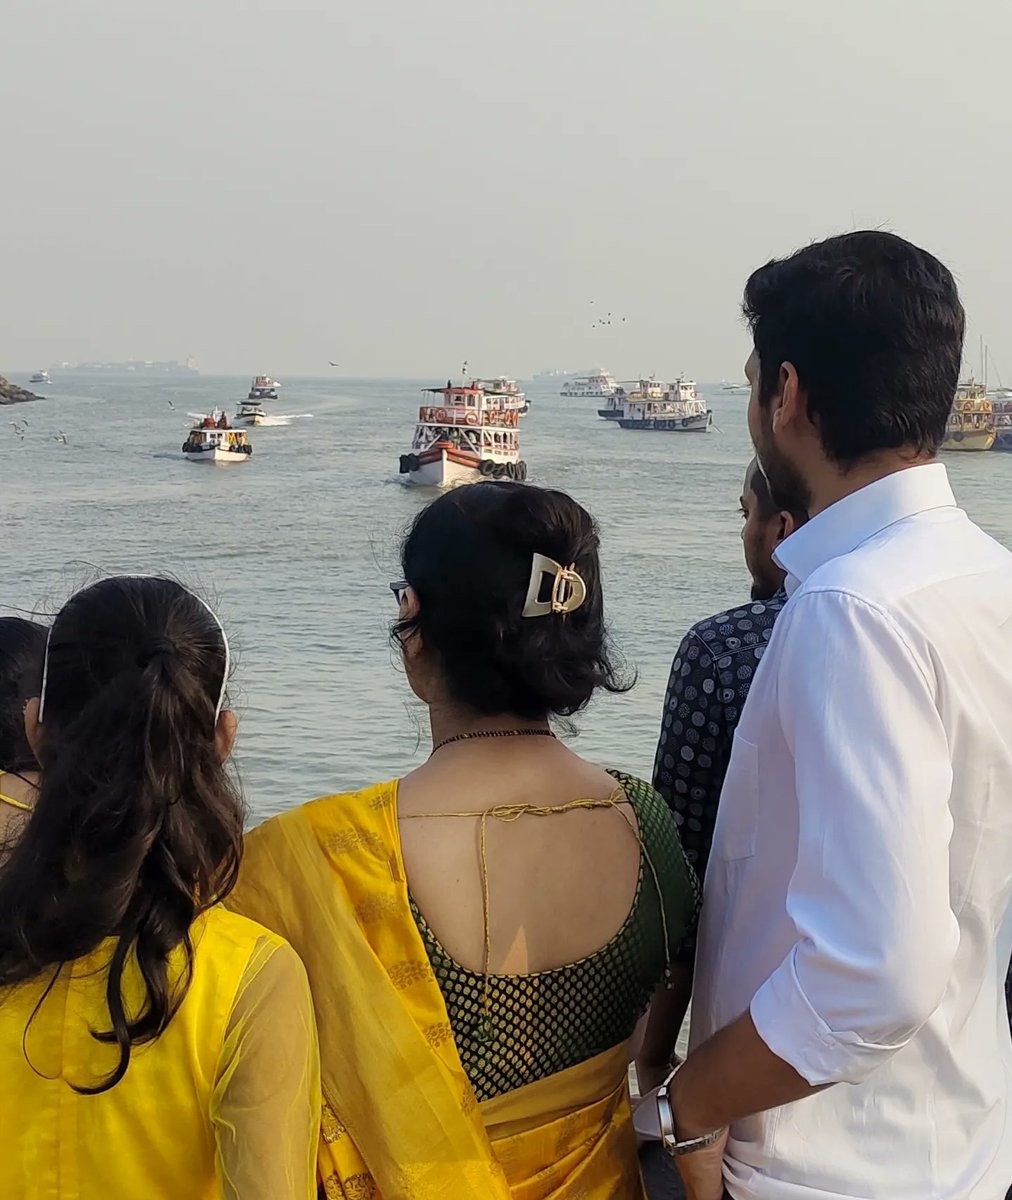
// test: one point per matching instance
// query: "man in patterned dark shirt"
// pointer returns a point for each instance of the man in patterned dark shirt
(709, 681)
(711, 675)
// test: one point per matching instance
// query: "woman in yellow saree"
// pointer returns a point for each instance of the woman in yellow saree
(482, 935)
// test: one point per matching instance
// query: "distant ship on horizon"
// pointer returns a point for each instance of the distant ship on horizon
(133, 366)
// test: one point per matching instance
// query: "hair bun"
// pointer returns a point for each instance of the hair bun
(477, 559)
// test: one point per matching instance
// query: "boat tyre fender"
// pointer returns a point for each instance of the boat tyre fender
(522, 471)
(685, 422)
(486, 467)
(958, 435)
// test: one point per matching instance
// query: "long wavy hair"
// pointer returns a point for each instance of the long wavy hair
(138, 827)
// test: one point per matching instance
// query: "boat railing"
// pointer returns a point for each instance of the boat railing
(431, 415)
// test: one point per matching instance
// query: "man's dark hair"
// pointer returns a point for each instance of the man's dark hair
(874, 328)
(767, 506)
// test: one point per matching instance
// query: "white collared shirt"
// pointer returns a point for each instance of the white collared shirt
(858, 899)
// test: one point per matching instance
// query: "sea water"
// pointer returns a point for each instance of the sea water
(297, 546)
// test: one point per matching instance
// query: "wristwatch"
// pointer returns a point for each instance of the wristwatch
(666, 1117)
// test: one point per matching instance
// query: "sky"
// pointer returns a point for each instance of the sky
(400, 185)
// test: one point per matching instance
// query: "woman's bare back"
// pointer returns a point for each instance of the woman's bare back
(560, 885)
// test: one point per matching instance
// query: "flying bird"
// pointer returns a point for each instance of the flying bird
(333, 364)
(19, 429)
(60, 437)
(170, 404)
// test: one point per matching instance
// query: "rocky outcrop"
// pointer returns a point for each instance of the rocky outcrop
(10, 393)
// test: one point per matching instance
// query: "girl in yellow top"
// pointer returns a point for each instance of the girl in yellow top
(22, 646)
(152, 1045)
(482, 935)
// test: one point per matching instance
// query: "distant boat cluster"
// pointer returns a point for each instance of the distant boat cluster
(471, 431)
(216, 440)
(645, 405)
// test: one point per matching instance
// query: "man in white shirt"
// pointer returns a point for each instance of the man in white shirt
(848, 1014)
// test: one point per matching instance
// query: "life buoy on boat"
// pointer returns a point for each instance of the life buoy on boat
(471, 419)
(442, 416)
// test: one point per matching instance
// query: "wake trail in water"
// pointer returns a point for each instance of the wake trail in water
(284, 418)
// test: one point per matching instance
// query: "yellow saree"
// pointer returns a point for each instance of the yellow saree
(400, 1119)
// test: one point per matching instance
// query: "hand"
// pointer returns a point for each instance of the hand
(702, 1171)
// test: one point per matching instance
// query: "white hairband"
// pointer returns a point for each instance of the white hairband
(200, 600)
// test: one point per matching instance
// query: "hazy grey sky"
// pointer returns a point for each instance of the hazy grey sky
(402, 184)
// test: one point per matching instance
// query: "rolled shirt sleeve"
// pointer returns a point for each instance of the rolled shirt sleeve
(869, 896)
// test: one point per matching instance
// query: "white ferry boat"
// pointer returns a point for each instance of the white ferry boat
(250, 412)
(596, 385)
(467, 434)
(643, 389)
(513, 398)
(213, 440)
(40, 377)
(263, 388)
(679, 409)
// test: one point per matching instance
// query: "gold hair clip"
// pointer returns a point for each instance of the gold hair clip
(568, 589)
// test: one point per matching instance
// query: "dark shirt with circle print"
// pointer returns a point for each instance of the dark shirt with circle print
(709, 682)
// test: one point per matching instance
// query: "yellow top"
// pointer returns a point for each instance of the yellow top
(223, 1106)
(400, 1118)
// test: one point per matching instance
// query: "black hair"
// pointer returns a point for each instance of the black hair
(137, 827)
(468, 557)
(22, 646)
(768, 507)
(874, 327)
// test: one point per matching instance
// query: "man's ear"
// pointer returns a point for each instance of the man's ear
(786, 525)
